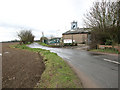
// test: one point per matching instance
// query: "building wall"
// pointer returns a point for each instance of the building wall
(79, 38)
(54, 41)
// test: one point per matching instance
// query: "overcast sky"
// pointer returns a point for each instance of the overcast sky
(53, 17)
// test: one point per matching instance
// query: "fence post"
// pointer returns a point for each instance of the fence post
(97, 46)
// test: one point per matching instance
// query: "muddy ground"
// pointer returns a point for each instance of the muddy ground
(20, 68)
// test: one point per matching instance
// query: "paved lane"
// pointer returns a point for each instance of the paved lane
(101, 73)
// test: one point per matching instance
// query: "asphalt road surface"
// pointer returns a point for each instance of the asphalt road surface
(96, 70)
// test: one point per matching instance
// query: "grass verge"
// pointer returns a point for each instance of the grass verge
(43, 44)
(113, 51)
(57, 73)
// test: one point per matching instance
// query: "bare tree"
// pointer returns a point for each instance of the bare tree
(102, 19)
(118, 21)
(101, 15)
(26, 36)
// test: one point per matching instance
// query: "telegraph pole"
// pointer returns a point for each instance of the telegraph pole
(42, 37)
(118, 25)
(118, 14)
(118, 20)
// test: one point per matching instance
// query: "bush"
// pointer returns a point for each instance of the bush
(83, 43)
(67, 44)
(26, 36)
(70, 44)
(93, 46)
(108, 42)
(75, 44)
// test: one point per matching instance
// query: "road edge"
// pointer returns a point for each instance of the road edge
(85, 81)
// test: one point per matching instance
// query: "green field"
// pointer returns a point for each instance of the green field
(57, 73)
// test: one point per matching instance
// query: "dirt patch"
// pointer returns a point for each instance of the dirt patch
(20, 68)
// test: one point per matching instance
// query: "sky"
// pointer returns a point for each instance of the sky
(52, 17)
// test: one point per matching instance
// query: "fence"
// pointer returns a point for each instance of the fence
(108, 46)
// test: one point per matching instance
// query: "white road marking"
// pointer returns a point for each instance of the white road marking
(0, 54)
(112, 61)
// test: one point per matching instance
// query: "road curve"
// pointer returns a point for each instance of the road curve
(92, 69)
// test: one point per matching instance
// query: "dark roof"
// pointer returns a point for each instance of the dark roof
(55, 38)
(77, 31)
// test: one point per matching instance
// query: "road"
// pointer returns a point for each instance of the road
(94, 69)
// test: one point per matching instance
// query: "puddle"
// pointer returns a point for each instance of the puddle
(6, 52)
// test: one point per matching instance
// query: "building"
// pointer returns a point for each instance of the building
(44, 40)
(77, 35)
(73, 25)
(54, 41)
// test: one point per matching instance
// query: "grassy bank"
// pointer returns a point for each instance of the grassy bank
(113, 51)
(57, 73)
(43, 44)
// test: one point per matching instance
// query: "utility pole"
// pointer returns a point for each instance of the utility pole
(118, 14)
(42, 37)
(118, 25)
(72, 39)
(118, 19)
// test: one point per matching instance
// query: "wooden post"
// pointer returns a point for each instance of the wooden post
(72, 40)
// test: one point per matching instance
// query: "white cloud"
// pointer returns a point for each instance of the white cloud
(46, 16)
(7, 34)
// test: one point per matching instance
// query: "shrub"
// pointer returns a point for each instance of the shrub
(26, 36)
(108, 42)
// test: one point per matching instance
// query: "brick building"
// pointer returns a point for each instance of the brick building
(78, 35)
